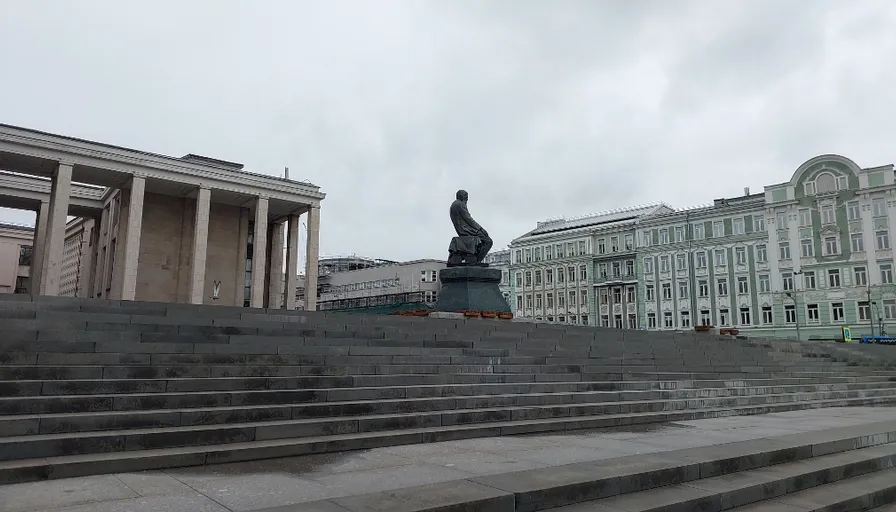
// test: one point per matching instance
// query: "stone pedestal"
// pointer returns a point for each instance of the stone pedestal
(471, 289)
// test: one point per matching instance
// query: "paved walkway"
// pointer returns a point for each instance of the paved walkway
(253, 485)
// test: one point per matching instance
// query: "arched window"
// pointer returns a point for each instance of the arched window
(825, 183)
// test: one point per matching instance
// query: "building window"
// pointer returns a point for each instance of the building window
(879, 206)
(572, 298)
(790, 314)
(890, 309)
(764, 283)
(809, 280)
(648, 265)
(705, 317)
(571, 249)
(602, 246)
(745, 316)
(651, 320)
(549, 276)
(617, 295)
(761, 253)
(519, 279)
(699, 231)
(680, 262)
(883, 239)
(519, 302)
(528, 302)
(629, 242)
(786, 281)
(721, 257)
(538, 278)
(561, 303)
(617, 269)
(632, 321)
(518, 256)
(781, 220)
(617, 321)
(630, 294)
(758, 223)
(583, 273)
(805, 217)
(664, 236)
(528, 278)
(740, 255)
(718, 229)
(667, 291)
(649, 292)
(685, 319)
(737, 226)
(679, 234)
(604, 297)
(831, 245)
(664, 264)
(614, 244)
(834, 278)
(584, 297)
(538, 303)
(886, 273)
(584, 319)
(537, 254)
(629, 267)
(602, 270)
(724, 319)
(827, 215)
(703, 288)
(583, 247)
(559, 250)
(549, 299)
(864, 309)
(700, 256)
(852, 210)
(682, 289)
(647, 238)
(806, 248)
(812, 313)
(571, 274)
(528, 255)
(784, 250)
(549, 252)
(836, 311)
(861, 278)
(667, 319)
(743, 285)
(857, 241)
(26, 253)
(722, 287)
(767, 318)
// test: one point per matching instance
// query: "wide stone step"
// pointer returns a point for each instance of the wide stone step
(55, 445)
(97, 413)
(117, 458)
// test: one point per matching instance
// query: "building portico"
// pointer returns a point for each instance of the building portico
(190, 229)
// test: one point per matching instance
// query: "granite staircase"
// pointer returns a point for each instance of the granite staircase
(93, 386)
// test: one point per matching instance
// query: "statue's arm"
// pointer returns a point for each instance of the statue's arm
(465, 214)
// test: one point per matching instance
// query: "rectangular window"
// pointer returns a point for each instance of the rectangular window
(549, 252)
(790, 314)
(809, 280)
(617, 295)
(740, 255)
(737, 226)
(722, 287)
(860, 276)
(857, 241)
(667, 291)
(648, 265)
(864, 310)
(614, 244)
(629, 242)
(879, 206)
(745, 316)
(572, 299)
(538, 303)
(767, 317)
(827, 215)
(583, 273)
(667, 319)
(528, 278)
(583, 297)
(682, 289)
(549, 276)
(602, 246)
(883, 239)
(559, 250)
(781, 220)
(787, 281)
(519, 302)
(805, 217)
(664, 263)
(528, 255)
(602, 269)
(890, 309)
(700, 256)
(649, 292)
(632, 321)
(807, 249)
(834, 278)
(680, 261)
(721, 257)
(718, 229)
(685, 319)
(583, 248)
(537, 254)
(560, 275)
(571, 274)
(886, 273)
(617, 269)
(604, 297)
(837, 312)
(570, 249)
(724, 318)
(538, 278)
(561, 301)
(743, 285)
(831, 245)
(784, 250)
(812, 313)
(705, 318)
(679, 234)
(699, 231)
(518, 256)
(519, 279)
(758, 223)
(528, 302)
(703, 288)
(549, 299)
(764, 283)
(761, 253)
(630, 294)
(852, 210)
(629, 267)
(647, 238)
(651, 320)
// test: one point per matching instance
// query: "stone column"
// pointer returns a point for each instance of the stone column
(51, 266)
(131, 249)
(200, 246)
(259, 244)
(311, 255)
(276, 280)
(292, 262)
(38, 247)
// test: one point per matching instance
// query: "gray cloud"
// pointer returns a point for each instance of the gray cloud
(537, 108)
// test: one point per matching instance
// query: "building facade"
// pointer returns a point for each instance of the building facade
(500, 260)
(383, 285)
(190, 229)
(16, 244)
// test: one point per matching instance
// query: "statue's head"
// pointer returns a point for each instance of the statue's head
(461, 195)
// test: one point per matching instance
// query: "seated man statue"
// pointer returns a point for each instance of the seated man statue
(472, 242)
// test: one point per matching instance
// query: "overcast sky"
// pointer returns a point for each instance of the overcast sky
(537, 108)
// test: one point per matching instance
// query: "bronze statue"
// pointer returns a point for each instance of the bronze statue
(472, 242)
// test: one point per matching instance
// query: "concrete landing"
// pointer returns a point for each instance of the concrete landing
(280, 482)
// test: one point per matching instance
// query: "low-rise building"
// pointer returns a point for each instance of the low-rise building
(500, 260)
(383, 284)
(16, 253)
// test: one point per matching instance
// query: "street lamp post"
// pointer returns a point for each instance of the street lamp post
(796, 313)
(870, 312)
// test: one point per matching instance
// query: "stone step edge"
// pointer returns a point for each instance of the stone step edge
(636, 482)
(36, 438)
(297, 404)
(128, 461)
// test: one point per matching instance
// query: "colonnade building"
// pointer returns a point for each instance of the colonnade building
(191, 230)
